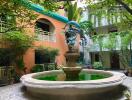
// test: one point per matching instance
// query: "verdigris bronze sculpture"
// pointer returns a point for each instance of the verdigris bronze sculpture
(71, 31)
(71, 70)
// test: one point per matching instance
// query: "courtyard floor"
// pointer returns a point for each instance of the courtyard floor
(17, 92)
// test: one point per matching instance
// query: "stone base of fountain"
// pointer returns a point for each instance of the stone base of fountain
(71, 59)
(72, 73)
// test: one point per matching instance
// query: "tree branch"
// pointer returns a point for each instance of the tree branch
(125, 6)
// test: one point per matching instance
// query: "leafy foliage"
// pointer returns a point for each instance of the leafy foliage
(51, 5)
(17, 43)
(37, 68)
(49, 53)
(124, 50)
(6, 57)
(86, 26)
(97, 65)
(21, 15)
(114, 11)
(126, 37)
(111, 43)
(73, 12)
(20, 63)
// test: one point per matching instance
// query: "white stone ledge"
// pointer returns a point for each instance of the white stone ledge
(72, 87)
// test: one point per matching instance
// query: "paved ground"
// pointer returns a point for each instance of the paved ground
(17, 92)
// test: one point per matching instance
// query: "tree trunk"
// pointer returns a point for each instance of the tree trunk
(125, 6)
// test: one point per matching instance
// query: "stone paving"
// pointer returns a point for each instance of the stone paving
(17, 92)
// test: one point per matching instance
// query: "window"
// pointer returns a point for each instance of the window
(96, 56)
(45, 30)
(43, 25)
(6, 57)
(112, 29)
(41, 57)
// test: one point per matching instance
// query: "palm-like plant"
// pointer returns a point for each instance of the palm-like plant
(73, 12)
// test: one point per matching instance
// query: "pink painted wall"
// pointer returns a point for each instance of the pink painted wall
(29, 57)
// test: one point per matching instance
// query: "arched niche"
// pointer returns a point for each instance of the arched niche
(44, 25)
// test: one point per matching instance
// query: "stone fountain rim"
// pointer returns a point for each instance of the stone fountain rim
(115, 79)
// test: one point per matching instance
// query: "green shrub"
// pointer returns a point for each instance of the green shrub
(20, 63)
(18, 43)
(37, 68)
(48, 53)
(97, 65)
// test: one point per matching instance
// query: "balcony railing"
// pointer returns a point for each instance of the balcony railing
(6, 75)
(45, 36)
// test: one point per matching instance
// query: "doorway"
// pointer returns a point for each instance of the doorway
(114, 61)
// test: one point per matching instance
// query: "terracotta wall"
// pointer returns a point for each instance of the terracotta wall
(29, 57)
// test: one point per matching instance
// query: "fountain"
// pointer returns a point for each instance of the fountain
(71, 70)
(71, 80)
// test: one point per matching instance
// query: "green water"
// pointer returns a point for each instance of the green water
(62, 77)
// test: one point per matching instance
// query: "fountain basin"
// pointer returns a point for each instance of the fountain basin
(72, 87)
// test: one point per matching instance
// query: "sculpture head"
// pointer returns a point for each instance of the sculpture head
(71, 30)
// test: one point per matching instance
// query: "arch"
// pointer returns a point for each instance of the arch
(44, 25)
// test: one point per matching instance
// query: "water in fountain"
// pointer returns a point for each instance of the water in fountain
(71, 71)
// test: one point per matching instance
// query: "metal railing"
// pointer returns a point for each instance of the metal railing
(6, 75)
(41, 35)
(45, 36)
